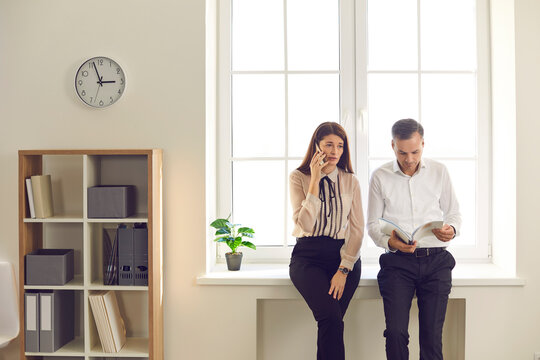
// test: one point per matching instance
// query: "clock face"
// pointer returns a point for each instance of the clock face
(100, 82)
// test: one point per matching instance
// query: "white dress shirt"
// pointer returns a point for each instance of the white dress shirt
(339, 216)
(411, 201)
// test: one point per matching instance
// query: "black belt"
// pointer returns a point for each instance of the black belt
(423, 252)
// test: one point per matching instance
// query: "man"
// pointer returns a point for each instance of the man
(411, 191)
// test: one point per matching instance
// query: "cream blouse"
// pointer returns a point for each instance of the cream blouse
(336, 212)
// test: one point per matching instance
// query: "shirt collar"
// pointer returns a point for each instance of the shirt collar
(398, 169)
(333, 175)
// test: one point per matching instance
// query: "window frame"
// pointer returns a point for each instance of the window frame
(354, 118)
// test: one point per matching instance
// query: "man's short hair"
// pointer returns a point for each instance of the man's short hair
(405, 128)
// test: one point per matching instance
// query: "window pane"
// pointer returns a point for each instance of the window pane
(313, 99)
(392, 35)
(448, 30)
(313, 34)
(257, 35)
(449, 114)
(258, 115)
(391, 97)
(291, 240)
(463, 176)
(259, 195)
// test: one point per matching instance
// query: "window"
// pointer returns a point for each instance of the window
(286, 66)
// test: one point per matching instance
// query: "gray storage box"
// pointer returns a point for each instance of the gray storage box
(112, 201)
(49, 267)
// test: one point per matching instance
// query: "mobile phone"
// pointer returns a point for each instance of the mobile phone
(319, 149)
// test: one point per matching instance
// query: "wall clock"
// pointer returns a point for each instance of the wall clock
(100, 82)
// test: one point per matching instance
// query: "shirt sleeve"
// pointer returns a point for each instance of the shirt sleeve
(305, 208)
(449, 204)
(350, 251)
(375, 211)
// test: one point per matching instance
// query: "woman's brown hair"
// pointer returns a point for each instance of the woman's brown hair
(324, 129)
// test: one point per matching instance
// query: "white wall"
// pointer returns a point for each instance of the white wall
(161, 45)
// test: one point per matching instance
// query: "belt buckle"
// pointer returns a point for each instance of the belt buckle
(422, 252)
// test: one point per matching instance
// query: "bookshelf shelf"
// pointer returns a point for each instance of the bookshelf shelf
(72, 173)
(135, 347)
(72, 348)
(137, 218)
(94, 286)
(57, 219)
(76, 284)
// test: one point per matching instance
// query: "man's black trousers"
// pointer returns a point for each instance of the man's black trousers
(429, 274)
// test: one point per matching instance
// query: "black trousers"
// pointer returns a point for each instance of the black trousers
(314, 262)
(402, 275)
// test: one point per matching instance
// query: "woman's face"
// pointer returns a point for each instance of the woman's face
(332, 146)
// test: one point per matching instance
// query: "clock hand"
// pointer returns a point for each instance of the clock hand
(100, 82)
(98, 89)
(97, 73)
(108, 82)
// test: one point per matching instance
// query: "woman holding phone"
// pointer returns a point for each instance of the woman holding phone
(329, 227)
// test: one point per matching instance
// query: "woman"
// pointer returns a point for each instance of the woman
(329, 227)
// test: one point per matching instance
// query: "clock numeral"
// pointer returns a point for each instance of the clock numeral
(121, 81)
(118, 70)
(100, 102)
(100, 62)
(80, 82)
(83, 93)
(85, 73)
(112, 100)
(91, 99)
(119, 91)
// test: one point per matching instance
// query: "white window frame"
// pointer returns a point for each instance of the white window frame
(354, 118)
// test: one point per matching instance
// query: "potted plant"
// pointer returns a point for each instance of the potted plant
(228, 233)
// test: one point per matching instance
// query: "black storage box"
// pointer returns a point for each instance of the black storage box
(111, 201)
(49, 267)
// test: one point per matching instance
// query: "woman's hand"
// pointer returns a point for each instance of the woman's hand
(316, 166)
(337, 285)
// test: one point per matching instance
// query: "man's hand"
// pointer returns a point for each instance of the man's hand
(395, 243)
(337, 285)
(446, 233)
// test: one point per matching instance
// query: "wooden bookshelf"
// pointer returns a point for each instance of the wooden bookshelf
(73, 171)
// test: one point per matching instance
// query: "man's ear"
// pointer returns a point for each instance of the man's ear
(392, 143)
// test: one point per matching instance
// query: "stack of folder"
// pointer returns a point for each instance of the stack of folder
(49, 319)
(109, 322)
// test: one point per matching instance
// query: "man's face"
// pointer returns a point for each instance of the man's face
(409, 152)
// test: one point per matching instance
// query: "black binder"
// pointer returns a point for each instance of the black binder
(133, 255)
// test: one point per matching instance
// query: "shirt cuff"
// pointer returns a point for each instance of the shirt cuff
(455, 231)
(346, 263)
(386, 245)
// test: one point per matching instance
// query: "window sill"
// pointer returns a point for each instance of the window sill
(464, 275)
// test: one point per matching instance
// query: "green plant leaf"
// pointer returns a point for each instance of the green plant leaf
(219, 223)
(236, 243)
(246, 230)
(249, 245)
(249, 235)
(222, 231)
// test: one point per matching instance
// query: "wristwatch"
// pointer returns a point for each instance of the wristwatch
(344, 270)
